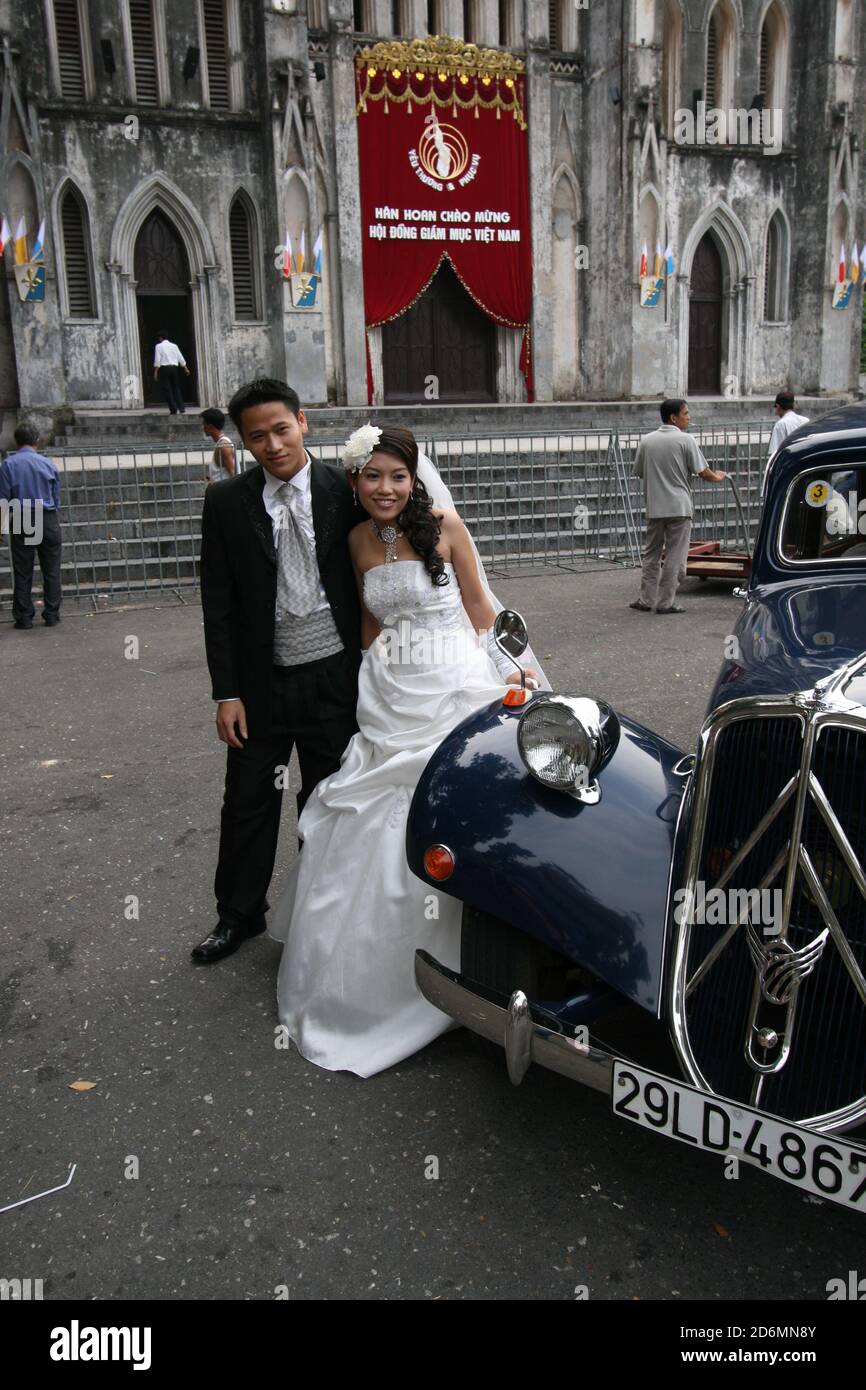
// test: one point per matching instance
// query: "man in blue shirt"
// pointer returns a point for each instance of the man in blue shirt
(30, 488)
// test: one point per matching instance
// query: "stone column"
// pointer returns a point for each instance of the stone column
(540, 174)
(348, 201)
(487, 32)
(684, 294)
(451, 13)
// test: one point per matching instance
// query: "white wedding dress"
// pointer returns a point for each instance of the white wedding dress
(353, 914)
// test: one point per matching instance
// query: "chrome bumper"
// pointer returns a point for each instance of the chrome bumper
(527, 1033)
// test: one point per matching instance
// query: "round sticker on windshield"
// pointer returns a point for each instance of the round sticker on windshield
(817, 493)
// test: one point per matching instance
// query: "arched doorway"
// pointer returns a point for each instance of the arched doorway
(705, 320)
(444, 335)
(164, 300)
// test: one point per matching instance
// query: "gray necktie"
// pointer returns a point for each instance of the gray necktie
(297, 571)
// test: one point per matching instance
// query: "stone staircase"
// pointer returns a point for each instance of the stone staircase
(132, 519)
(112, 429)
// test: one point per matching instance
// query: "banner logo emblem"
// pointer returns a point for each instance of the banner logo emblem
(442, 151)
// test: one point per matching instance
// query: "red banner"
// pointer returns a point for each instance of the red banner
(444, 173)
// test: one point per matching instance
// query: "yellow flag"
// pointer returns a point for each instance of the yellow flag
(21, 256)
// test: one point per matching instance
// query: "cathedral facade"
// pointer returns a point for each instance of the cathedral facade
(687, 173)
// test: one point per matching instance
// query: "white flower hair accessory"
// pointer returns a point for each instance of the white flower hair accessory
(359, 447)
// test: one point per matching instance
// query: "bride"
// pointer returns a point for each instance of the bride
(353, 914)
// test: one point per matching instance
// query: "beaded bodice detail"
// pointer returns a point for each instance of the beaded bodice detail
(403, 589)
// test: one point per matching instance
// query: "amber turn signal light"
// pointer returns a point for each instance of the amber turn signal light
(515, 696)
(438, 863)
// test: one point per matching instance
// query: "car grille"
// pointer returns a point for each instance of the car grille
(825, 1071)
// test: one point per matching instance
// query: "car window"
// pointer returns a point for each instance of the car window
(825, 515)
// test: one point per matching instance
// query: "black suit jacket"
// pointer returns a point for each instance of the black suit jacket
(239, 581)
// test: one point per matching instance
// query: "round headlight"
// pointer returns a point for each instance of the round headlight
(561, 742)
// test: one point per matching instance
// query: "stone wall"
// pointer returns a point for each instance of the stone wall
(603, 167)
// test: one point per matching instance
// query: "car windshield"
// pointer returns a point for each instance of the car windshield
(825, 515)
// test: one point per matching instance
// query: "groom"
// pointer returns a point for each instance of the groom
(282, 633)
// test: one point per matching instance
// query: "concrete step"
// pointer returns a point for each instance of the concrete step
(433, 420)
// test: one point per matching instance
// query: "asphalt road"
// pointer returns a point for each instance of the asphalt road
(212, 1165)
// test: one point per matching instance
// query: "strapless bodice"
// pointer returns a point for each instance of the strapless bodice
(404, 589)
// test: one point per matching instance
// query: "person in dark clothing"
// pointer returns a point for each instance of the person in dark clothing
(30, 490)
(282, 629)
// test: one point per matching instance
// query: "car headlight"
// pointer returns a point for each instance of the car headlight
(563, 741)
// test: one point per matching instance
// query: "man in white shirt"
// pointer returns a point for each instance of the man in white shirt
(788, 421)
(168, 361)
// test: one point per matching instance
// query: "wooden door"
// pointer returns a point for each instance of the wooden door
(705, 321)
(444, 336)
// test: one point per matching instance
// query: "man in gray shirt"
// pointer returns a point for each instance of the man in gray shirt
(668, 460)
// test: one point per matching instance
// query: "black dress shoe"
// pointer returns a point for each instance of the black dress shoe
(50, 622)
(223, 940)
(23, 627)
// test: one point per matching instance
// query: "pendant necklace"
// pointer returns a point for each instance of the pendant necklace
(389, 536)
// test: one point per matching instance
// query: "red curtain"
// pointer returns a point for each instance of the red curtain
(444, 173)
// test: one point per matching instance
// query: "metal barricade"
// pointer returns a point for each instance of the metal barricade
(131, 518)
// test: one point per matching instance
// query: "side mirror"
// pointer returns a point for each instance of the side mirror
(512, 638)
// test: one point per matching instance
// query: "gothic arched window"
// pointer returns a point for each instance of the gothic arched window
(721, 57)
(776, 271)
(215, 68)
(143, 40)
(672, 40)
(78, 290)
(245, 259)
(773, 57)
(68, 37)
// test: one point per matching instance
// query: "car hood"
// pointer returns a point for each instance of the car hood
(791, 636)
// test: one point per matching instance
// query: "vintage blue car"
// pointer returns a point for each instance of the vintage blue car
(630, 910)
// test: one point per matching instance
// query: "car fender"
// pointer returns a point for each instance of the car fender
(591, 881)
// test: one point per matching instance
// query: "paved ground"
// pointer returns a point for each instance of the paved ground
(255, 1170)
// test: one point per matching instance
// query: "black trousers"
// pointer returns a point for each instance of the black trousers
(23, 556)
(169, 380)
(313, 709)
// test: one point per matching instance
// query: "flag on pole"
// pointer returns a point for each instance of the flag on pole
(657, 269)
(21, 242)
(6, 236)
(842, 275)
(855, 263)
(287, 257)
(669, 259)
(36, 253)
(301, 255)
(317, 253)
(642, 271)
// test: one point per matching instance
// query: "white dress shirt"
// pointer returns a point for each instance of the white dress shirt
(785, 425)
(168, 355)
(302, 508)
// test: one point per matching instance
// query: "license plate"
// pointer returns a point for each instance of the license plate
(812, 1162)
